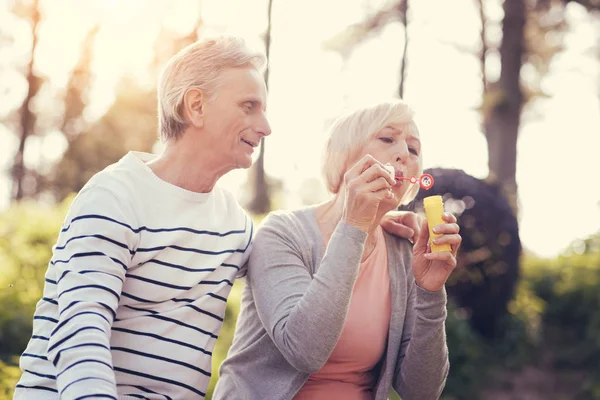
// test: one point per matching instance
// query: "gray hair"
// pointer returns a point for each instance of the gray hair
(199, 66)
(349, 134)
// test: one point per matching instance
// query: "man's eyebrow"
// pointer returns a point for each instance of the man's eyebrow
(255, 102)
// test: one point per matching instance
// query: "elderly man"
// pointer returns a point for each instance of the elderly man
(136, 289)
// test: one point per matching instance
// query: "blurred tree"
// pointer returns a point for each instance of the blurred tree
(37, 182)
(484, 46)
(168, 43)
(75, 100)
(129, 124)
(36, 120)
(345, 42)
(526, 40)
(504, 100)
(258, 183)
(403, 11)
(532, 34)
(590, 245)
(27, 117)
(76, 94)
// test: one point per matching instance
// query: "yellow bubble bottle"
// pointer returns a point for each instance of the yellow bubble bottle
(434, 208)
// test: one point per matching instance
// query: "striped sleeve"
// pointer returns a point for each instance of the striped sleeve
(90, 260)
(243, 271)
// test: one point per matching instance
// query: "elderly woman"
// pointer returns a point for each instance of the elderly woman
(334, 307)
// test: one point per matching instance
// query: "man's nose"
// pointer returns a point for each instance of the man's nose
(263, 127)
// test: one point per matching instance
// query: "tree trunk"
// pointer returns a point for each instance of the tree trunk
(261, 200)
(27, 117)
(502, 121)
(484, 46)
(77, 87)
(403, 8)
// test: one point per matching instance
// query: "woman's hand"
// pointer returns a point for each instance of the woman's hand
(404, 224)
(431, 270)
(366, 184)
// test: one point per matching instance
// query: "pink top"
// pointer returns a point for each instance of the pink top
(348, 373)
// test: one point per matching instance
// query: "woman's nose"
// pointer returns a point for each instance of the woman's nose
(402, 153)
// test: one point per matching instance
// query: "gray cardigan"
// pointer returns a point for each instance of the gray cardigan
(295, 303)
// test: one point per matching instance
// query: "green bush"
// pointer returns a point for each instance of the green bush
(474, 360)
(9, 375)
(467, 356)
(570, 287)
(27, 233)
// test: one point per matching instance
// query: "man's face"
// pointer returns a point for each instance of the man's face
(235, 120)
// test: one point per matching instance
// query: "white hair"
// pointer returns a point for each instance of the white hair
(199, 66)
(349, 134)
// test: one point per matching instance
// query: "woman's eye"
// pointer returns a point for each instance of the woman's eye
(386, 139)
(413, 151)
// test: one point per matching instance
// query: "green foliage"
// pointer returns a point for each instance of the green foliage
(570, 287)
(473, 359)
(27, 234)
(467, 356)
(9, 375)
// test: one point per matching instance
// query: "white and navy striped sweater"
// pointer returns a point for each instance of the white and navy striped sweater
(136, 290)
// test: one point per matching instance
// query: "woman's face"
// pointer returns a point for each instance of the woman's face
(399, 146)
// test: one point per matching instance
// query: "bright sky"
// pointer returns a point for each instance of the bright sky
(558, 145)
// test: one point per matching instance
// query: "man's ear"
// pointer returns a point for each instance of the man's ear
(193, 107)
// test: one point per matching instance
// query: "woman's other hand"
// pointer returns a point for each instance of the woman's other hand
(431, 270)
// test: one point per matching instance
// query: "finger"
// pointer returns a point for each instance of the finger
(383, 194)
(423, 239)
(397, 215)
(418, 228)
(411, 220)
(456, 246)
(451, 239)
(397, 229)
(448, 217)
(454, 240)
(375, 172)
(446, 229)
(376, 185)
(444, 256)
(359, 167)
